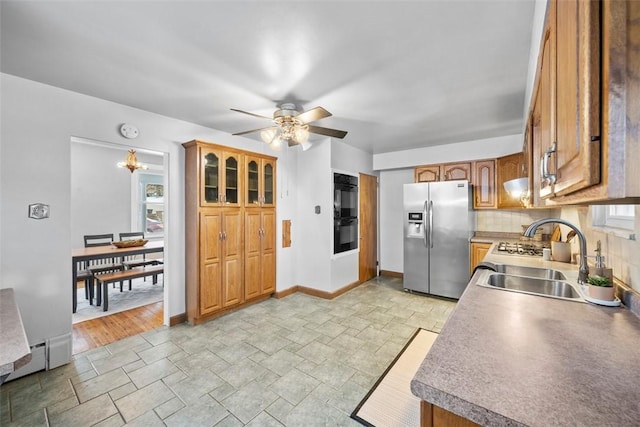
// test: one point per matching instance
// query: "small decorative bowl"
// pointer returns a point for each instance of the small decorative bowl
(130, 243)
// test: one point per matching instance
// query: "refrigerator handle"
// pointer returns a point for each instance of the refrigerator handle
(425, 210)
(431, 223)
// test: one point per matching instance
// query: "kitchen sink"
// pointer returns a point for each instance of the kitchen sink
(542, 273)
(533, 285)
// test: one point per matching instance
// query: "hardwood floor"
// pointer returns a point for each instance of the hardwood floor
(104, 330)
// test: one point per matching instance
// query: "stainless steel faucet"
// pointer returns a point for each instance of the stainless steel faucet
(583, 273)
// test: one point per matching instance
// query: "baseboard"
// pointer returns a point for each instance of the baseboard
(328, 295)
(281, 294)
(206, 318)
(392, 274)
(176, 320)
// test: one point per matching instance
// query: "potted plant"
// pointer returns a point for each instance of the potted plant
(601, 288)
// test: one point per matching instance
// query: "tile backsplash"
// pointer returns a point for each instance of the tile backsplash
(511, 221)
(621, 253)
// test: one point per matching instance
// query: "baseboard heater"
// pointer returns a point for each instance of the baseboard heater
(46, 355)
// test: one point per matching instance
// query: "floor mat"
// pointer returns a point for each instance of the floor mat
(390, 402)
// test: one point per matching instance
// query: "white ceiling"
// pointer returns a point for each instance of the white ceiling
(395, 74)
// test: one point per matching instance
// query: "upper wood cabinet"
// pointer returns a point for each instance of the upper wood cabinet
(577, 95)
(508, 168)
(455, 171)
(260, 181)
(585, 101)
(484, 184)
(219, 177)
(443, 172)
(430, 173)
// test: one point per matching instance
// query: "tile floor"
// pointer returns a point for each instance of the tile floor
(295, 361)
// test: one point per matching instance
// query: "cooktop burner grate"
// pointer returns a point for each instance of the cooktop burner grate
(521, 248)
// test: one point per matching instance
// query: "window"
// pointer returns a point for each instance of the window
(151, 206)
(614, 216)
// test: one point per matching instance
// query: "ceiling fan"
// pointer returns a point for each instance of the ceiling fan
(290, 124)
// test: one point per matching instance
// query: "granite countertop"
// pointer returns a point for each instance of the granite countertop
(506, 358)
(14, 351)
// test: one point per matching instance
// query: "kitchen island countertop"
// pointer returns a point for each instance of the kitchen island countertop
(506, 358)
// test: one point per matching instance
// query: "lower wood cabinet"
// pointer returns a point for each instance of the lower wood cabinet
(478, 252)
(434, 416)
(221, 259)
(260, 253)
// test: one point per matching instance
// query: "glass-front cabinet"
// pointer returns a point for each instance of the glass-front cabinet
(260, 181)
(220, 176)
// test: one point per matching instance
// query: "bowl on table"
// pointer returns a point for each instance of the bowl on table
(130, 243)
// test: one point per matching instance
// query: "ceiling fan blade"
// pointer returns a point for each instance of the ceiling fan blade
(253, 130)
(335, 133)
(251, 114)
(313, 115)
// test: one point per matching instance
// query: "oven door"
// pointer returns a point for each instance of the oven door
(345, 235)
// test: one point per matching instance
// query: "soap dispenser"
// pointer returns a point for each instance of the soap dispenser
(601, 269)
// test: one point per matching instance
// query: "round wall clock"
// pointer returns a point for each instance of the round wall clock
(129, 131)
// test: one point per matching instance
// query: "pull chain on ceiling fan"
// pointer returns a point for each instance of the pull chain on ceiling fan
(292, 126)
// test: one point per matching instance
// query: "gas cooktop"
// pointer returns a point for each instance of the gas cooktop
(521, 248)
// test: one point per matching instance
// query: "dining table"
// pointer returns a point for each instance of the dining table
(79, 255)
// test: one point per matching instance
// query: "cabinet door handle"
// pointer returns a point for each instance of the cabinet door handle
(220, 235)
(549, 178)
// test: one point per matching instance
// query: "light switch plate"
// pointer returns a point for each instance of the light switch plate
(38, 211)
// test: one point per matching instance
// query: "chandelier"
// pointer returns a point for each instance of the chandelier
(132, 162)
(287, 129)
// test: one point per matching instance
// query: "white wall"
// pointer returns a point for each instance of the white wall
(38, 122)
(311, 240)
(468, 150)
(536, 37)
(100, 198)
(349, 159)
(391, 217)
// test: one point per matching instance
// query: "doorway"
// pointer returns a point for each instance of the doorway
(368, 256)
(106, 199)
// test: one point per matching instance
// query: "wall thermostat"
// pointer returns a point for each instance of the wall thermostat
(38, 211)
(129, 131)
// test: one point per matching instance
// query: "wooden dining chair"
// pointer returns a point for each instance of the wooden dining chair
(134, 261)
(100, 266)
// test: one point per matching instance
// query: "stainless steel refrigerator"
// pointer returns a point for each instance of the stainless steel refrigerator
(437, 229)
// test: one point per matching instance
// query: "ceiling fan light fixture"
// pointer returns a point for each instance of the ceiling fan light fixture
(292, 126)
(276, 143)
(301, 133)
(269, 135)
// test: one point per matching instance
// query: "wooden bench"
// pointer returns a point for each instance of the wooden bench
(120, 276)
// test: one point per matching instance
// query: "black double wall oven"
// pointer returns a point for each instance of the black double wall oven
(345, 213)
